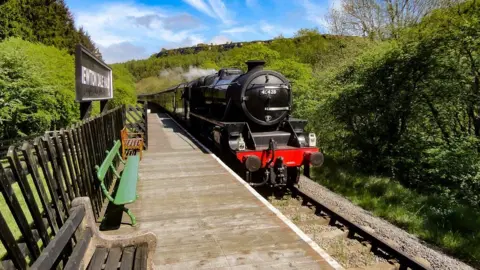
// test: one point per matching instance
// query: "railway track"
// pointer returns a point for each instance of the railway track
(353, 246)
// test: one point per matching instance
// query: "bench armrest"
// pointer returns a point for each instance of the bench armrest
(109, 241)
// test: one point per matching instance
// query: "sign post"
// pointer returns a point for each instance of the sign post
(93, 81)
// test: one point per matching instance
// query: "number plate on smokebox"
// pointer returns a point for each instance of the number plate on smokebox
(268, 92)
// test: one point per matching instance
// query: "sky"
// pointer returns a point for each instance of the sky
(136, 29)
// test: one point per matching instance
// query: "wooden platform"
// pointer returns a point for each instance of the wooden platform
(205, 217)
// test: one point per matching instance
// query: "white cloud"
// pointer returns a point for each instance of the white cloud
(189, 41)
(266, 27)
(121, 52)
(262, 29)
(195, 39)
(146, 27)
(221, 10)
(214, 8)
(315, 13)
(271, 30)
(235, 30)
(201, 6)
(219, 40)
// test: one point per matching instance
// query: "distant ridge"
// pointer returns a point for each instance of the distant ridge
(206, 47)
(231, 45)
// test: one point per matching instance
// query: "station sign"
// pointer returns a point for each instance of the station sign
(93, 78)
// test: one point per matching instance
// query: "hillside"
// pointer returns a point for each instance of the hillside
(207, 47)
(308, 51)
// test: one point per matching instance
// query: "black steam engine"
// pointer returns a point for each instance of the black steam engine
(246, 117)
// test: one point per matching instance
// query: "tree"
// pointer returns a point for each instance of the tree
(26, 105)
(409, 108)
(37, 88)
(85, 39)
(46, 21)
(378, 19)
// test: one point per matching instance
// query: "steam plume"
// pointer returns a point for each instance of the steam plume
(179, 74)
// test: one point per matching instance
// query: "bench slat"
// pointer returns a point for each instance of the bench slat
(126, 192)
(113, 258)
(98, 258)
(51, 253)
(76, 257)
(141, 257)
(127, 258)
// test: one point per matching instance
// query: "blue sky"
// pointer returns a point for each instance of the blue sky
(135, 29)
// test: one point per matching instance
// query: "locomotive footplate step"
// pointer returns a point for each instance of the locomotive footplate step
(205, 216)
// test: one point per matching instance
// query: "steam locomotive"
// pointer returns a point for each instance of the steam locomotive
(246, 118)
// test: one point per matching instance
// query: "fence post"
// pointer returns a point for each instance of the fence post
(145, 111)
(124, 115)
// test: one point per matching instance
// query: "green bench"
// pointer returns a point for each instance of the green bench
(127, 187)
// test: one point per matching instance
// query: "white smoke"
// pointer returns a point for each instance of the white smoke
(179, 74)
(194, 72)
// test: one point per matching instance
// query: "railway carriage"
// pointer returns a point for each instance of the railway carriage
(246, 117)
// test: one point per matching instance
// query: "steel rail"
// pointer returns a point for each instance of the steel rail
(404, 260)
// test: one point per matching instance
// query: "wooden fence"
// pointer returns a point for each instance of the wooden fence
(40, 178)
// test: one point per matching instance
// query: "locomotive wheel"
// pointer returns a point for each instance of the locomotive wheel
(293, 175)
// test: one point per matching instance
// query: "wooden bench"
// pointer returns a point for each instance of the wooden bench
(93, 249)
(127, 186)
(131, 142)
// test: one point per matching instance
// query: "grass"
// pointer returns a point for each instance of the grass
(452, 227)
(7, 214)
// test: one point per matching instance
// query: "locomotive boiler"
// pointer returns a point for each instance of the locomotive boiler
(246, 117)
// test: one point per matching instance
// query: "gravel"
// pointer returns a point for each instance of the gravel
(406, 242)
(350, 253)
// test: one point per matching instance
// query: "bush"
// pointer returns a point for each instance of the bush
(37, 88)
(408, 108)
(123, 87)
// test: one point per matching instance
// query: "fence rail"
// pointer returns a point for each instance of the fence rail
(136, 120)
(40, 177)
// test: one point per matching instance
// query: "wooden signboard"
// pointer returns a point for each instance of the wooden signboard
(93, 77)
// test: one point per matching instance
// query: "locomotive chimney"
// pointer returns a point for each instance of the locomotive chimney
(255, 64)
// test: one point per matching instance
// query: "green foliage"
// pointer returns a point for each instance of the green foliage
(153, 85)
(409, 108)
(49, 22)
(298, 58)
(35, 91)
(433, 218)
(300, 76)
(238, 56)
(37, 88)
(123, 87)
